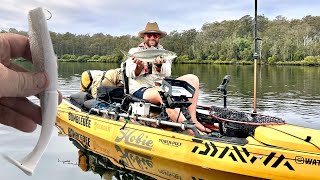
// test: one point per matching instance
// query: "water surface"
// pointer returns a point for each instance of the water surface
(289, 92)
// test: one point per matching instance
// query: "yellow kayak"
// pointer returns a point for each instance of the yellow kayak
(272, 152)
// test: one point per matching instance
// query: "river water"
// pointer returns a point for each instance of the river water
(289, 92)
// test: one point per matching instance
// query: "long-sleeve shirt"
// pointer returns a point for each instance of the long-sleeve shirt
(143, 79)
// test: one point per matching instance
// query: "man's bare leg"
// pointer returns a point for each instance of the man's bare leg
(153, 96)
(194, 81)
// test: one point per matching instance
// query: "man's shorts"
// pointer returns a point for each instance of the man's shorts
(139, 93)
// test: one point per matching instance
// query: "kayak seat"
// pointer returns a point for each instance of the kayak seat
(86, 101)
(79, 99)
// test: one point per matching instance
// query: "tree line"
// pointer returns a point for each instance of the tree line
(282, 41)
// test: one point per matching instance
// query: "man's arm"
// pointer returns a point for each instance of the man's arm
(139, 66)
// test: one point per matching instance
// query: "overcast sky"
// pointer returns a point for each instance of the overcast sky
(118, 17)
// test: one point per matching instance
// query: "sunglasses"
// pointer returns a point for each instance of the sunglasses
(155, 35)
(158, 65)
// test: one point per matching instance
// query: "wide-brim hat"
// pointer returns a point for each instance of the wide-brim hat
(152, 28)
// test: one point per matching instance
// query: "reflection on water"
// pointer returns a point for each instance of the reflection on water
(104, 167)
(116, 162)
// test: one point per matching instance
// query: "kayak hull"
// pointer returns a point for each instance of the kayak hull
(248, 157)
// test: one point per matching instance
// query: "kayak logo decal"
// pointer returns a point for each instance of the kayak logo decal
(101, 126)
(82, 120)
(235, 154)
(308, 161)
(134, 159)
(170, 143)
(278, 161)
(169, 174)
(136, 139)
(84, 140)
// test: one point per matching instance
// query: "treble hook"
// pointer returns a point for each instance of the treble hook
(49, 13)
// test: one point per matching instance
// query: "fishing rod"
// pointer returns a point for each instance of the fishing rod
(255, 57)
(183, 126)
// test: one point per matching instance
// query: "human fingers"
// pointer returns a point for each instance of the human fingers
(137, 61)
(24, 107)
(13, 46)
(13, 119)
(162, 60)
(134, 59)
(140, 63)
(21, 84)
(21, 69)
(59, 97)
(158, 60)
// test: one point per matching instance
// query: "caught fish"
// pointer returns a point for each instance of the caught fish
(149, 55)
(44, 59)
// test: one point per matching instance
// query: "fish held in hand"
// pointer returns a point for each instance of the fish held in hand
(149, 55)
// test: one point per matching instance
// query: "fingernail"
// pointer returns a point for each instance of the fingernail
(40, 80)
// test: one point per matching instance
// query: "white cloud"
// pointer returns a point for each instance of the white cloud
(129, 17)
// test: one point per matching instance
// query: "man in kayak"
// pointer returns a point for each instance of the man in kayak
(142, 75)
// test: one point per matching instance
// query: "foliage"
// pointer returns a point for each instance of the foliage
(68, 56)
(283, 40)
(83, 58)
(274, 58)
(182, 58)
(95, 57)
(311, 60)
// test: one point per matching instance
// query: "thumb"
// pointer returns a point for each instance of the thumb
(21, 84)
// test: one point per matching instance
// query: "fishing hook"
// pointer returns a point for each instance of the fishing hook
(49, 13)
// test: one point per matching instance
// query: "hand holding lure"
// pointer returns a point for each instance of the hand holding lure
(44, 59)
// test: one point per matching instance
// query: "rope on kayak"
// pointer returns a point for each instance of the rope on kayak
(308, 138)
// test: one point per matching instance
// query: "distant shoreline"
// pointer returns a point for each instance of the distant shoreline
(226, 62)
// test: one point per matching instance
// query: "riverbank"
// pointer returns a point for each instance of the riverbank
(308, 61)
(282, 63)
(226, 62)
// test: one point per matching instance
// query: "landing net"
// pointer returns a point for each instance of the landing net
(240, 117)
(244, 121)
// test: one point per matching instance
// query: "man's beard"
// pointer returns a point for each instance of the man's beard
(155, 45)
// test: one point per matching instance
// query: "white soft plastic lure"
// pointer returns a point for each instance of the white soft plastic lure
(44, 59)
